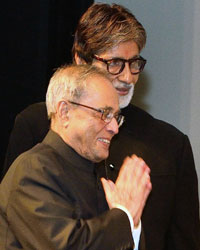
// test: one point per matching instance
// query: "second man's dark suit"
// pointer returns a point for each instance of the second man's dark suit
(171, 215)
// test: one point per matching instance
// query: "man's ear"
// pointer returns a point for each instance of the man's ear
(78, 59)
(62, 111)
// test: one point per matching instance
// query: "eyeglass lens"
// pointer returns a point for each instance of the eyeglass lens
(107, 116)
(116, 66)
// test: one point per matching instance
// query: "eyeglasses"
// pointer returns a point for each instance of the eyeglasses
(116, 65)
(106, 113)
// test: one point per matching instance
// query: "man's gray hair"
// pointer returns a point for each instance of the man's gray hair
(69, 83)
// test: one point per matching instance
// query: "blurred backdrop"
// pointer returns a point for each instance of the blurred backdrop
(36, 37)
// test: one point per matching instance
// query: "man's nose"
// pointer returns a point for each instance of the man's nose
(126, 75)
(113, 126)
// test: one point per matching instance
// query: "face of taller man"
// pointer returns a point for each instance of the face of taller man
(125, 81)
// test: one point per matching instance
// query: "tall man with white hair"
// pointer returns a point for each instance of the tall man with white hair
(53, 195)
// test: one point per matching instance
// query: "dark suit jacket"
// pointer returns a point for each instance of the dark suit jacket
(52, 198)
(171, 215)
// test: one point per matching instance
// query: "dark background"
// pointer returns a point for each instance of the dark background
(36, 37)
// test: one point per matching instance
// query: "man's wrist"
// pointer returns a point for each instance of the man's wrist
(135, 230)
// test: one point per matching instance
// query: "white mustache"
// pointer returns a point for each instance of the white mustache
(123, 85)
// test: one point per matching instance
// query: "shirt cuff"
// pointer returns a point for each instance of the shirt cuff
(135, 231)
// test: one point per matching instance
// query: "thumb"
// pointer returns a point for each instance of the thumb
(109, 189)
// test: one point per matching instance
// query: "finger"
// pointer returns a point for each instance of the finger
(126, 174)
(130, 176)
(143, 202)
(125, 166)
(112, 185)
(109, 189)
(143, 181)
(106, 185)
(141, 170)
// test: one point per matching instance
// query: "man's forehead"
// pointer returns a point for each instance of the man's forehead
(122, 50)
(102, 94)
(99, 83)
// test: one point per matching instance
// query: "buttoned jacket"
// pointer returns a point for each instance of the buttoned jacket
(52, 198)
(171, 215)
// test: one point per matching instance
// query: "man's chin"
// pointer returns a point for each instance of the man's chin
(101, 157)
(124, 100)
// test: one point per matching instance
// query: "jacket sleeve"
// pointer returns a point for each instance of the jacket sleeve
(42, 216)
(184, 233)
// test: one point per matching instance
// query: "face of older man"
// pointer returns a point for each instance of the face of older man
(87, 133)
(123, 82)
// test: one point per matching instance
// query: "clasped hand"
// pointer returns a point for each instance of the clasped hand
(131, 188)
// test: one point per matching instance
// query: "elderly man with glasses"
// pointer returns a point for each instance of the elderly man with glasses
(52, 196)
(111, 38)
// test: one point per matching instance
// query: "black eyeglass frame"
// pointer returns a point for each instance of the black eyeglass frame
(107, 62)
(119, 118)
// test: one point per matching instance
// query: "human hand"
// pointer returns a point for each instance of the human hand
(132, 187)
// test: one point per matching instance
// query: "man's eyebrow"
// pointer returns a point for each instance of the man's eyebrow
(107, 108)
(111, 109)
(120, 58)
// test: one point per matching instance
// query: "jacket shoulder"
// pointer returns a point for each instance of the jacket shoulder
(35, 110)
(136, 118)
